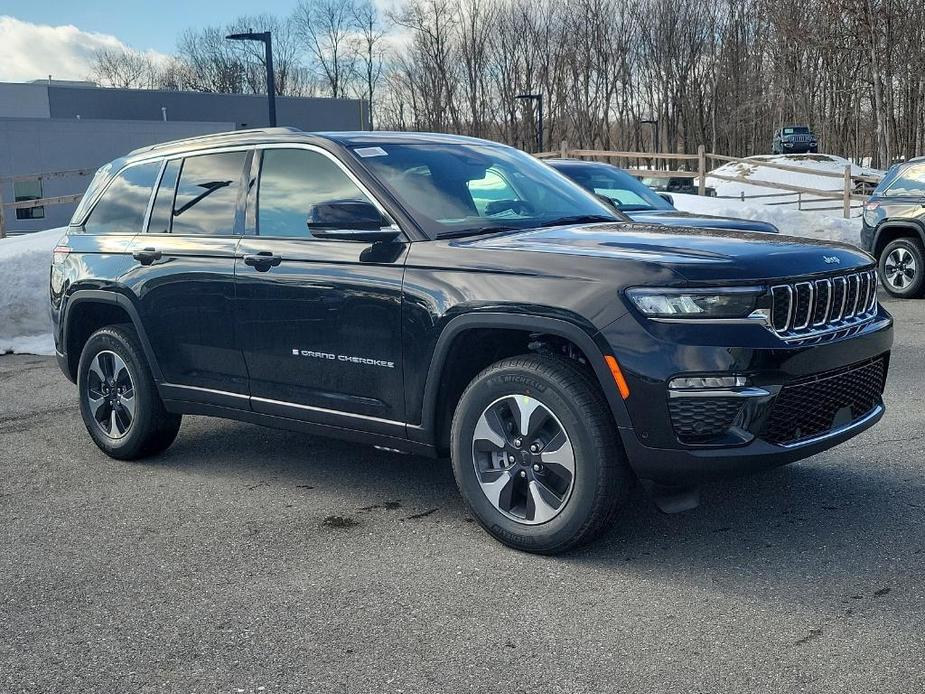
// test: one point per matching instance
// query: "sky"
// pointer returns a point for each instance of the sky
(58, 37)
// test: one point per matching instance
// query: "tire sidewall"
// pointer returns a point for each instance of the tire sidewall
(566, 524)
(914, 289)
(112, 339)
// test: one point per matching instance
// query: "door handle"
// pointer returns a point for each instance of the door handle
(262, 261)
(146, 256)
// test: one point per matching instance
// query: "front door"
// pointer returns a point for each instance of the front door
(319, 320)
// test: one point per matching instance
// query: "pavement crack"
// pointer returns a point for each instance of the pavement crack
(422, 514)
(813, 634)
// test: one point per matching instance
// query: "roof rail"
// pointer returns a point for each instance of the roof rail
(215, 136)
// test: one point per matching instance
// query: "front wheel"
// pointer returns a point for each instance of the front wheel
(536, 455)
(902, 268)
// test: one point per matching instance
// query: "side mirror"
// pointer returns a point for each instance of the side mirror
(348, 220)
(667, 198)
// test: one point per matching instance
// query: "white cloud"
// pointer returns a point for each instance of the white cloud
(35, 51)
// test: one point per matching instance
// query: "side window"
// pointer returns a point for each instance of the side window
(121, 209)
(161, 212)
(909, 183)
(491, 188)
(291, 181)
(207, 194)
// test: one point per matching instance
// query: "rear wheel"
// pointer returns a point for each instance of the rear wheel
(119, 403)
(536, 455)
(902, 268)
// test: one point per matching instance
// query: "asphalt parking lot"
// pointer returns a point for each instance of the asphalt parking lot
(252, 560)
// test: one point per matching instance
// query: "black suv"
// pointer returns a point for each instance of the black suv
(438, 294)
(894, 229)
(794, 139)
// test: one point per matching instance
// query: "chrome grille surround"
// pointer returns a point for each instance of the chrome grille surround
(808, 310)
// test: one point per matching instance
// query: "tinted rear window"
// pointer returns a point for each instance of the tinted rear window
(207, 194)
(122, 208)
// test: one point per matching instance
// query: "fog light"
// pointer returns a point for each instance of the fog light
(707, 382)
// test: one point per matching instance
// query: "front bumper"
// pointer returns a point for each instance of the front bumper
(651, 354)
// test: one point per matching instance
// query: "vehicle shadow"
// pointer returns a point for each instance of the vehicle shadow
(824, 521)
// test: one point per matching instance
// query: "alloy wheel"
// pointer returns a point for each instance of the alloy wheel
(899, 268)
(523, 459)
(110, 394)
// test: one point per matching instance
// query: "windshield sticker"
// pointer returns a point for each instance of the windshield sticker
(371, 152)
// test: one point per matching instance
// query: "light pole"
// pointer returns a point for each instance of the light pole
(268, 48)
(538, 98)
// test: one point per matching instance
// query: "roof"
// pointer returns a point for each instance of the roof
(371, 137)
(286, 134)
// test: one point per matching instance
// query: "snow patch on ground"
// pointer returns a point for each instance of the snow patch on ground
(25, 323)
(827, 163)
(814, 225)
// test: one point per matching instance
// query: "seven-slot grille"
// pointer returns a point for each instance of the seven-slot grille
(806, 308)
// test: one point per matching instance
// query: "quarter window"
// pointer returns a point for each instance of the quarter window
(291, 181)
(207, 194)
(121, 209)
(909, 183)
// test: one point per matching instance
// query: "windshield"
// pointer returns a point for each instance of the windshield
(623, 190)
(460, 189)
(798, 130)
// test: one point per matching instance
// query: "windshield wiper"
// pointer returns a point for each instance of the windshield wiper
(578, 219)
(475, 231)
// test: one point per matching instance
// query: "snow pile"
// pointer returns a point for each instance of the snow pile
(754, 170)
(814, 225)
(25, 323)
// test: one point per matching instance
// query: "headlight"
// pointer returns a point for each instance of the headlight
(732, 302)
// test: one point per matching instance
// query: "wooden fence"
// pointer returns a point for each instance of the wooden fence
(40, 202)
(846, 192)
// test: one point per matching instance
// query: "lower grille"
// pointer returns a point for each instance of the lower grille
(808, 408)
(697, 420)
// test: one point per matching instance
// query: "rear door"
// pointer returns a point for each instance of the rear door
(320, 320)
(185, 276)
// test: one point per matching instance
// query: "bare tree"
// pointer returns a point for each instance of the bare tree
(128, 69)
(370, 47)
(325, 27)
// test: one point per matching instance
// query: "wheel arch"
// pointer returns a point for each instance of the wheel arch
(890, 231)
(86, 311)
(454, 333)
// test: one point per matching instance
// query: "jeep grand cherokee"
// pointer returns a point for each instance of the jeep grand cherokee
(437, 294)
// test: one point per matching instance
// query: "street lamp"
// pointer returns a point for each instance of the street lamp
(268, 47)
(538, 98)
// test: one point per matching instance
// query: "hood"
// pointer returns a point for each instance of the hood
(700, 255)
(700, 221)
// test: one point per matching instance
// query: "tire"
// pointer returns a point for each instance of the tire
(902, 268)
(119, 402)
(564, 400)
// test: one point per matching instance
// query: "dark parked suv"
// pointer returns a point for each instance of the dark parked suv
(894, 229)
(794, 139)
(437, 294)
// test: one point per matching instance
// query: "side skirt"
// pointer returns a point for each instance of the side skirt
(289, 424)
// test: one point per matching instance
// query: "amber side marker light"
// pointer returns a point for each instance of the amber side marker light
(618, 377)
